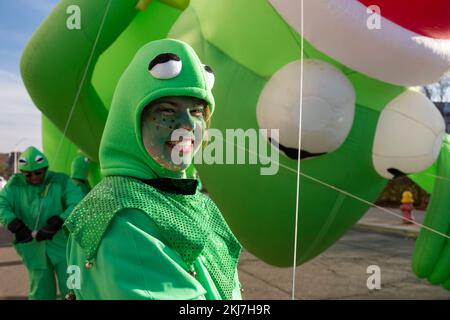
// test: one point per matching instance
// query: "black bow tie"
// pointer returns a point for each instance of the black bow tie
(177, 186)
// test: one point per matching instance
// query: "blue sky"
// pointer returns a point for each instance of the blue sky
(20, 120)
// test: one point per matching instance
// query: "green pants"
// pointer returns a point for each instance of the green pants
(42, 282)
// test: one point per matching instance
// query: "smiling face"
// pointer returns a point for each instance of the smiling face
(172, 129)
(159, 99)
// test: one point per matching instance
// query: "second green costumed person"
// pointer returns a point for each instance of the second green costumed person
(145, 231)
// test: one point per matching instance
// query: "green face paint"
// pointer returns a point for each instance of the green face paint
(172, 130)
(163, 68)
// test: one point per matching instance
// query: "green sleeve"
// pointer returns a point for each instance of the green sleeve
(6, 207)
(133, 263)
(72, 195)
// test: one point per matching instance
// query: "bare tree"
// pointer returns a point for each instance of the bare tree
(438, 91)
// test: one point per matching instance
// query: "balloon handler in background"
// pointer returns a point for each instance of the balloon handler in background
(33, 206)
(79, 173)
(145, 231)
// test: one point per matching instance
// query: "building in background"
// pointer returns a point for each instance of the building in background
(7, 164)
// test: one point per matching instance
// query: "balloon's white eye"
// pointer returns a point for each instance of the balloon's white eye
(23, 161)
(408, 137)
(38, 159)
(210, 78)
(165, 66)
(327, 113)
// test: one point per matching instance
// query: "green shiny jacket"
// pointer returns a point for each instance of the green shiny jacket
(131, 240)
(34, 204)
(134, 262)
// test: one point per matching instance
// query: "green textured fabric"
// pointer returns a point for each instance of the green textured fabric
(191, 225)
(151, 271)
(121, 149)
(32, 159)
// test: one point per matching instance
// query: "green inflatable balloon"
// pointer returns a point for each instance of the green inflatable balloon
(361, 124)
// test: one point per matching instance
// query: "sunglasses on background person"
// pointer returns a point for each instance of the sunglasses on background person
(36, 173)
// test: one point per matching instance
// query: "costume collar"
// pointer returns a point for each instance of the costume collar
(177, 186)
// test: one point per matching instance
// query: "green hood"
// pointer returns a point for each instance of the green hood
(32, 159)
(121, 150)
(80, 168)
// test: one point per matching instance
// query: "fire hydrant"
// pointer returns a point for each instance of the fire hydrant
(407, 207)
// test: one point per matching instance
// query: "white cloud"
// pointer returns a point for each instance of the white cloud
(20, 120)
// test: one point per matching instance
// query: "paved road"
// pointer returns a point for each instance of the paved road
(339, 273)
(376, 220)
(13, 275)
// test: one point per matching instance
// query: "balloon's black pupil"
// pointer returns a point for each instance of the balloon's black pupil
(208, 68)
(163, 58)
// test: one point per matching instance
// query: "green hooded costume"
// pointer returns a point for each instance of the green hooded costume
(25, 208)
(145, 232)
(79, 173)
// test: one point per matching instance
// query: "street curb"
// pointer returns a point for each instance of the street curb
(404, 231)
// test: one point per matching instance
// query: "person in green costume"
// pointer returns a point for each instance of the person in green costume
(145, 231)
(33, 206)
(79, 173)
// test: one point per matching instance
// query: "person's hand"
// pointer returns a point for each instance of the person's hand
(54, 224)
(20, 230)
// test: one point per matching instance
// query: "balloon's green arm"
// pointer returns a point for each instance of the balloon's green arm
(431, 258)
(426, 179)
(58, 61)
